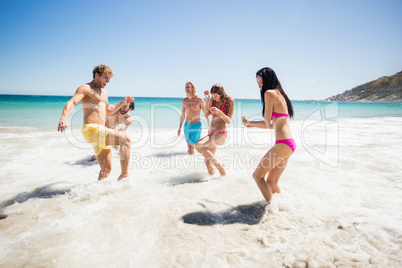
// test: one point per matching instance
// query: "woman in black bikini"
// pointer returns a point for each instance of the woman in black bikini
(221, 107)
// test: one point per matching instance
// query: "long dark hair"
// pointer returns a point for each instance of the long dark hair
(271, 81)
(224, 98)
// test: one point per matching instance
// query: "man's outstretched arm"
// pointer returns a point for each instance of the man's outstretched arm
(69, 107)
(114, 108)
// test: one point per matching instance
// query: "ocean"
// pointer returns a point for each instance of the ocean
(340, 204)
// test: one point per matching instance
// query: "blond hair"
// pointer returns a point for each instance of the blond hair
(194, 89)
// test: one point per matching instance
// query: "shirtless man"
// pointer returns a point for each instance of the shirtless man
(121, 117)
(192, 106)
(96, 108)
(117, 118)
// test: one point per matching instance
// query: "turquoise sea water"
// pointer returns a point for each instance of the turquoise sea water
(44, 111)
(343, 184)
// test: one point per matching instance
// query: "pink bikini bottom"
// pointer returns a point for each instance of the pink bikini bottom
(224, 132)
(289, 142)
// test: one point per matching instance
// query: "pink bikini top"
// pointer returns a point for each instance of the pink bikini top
(223, 109)
(276, 115)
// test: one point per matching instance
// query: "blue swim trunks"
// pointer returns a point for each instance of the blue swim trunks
(192, 132)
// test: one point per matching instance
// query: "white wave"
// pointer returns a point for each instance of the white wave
(339, 206)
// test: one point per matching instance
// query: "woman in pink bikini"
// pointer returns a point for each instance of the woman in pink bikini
(276, 112)
(221, 107)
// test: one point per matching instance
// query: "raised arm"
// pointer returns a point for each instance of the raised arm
(203, 108)
(114, 108)
(69, 107)
(208, 103)
(128, 120)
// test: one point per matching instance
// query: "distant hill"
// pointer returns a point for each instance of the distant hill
(386, 89)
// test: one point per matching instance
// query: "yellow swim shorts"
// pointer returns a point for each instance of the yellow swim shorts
(96, 135)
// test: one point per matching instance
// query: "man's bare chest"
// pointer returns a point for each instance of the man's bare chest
(96, 98)
(192, 105)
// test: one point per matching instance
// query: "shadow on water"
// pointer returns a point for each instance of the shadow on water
(83, 162)
(187, 178)
(40, 192)
(244, 214)
(171, 154)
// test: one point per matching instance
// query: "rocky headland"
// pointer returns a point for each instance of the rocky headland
(383, 89)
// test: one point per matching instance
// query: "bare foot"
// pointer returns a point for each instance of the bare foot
(274, 188)
(122, 176)
(211, 170)
(102, 175)
(269, 197)
(277, 190)
(210, 167)
(220, 169)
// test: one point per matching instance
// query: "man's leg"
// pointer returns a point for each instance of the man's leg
(105, 162)
(194, 136)
(190, 147)
(120, 138)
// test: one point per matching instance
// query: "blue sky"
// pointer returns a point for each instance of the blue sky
(317, 48)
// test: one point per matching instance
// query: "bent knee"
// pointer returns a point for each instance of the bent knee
(199, 148)
(257, 176)
(126, 141)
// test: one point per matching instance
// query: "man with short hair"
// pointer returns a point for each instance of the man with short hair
(96, 108)
(121, 117)
(117, 118)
